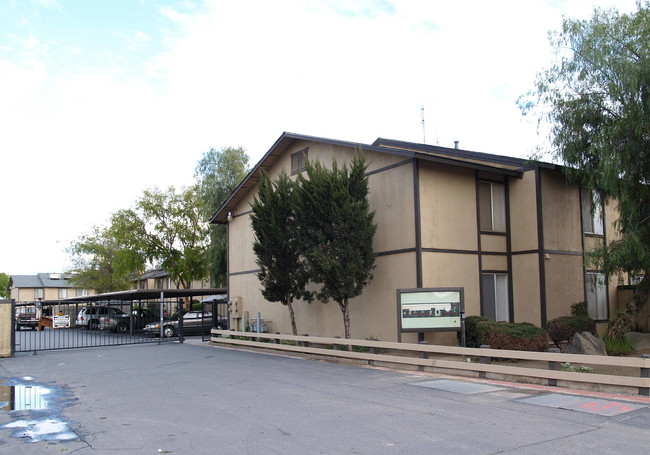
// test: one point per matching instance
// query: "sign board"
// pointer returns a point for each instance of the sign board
(61, 322)
(432, 309)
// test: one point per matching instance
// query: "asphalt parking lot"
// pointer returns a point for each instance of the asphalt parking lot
(194, 398)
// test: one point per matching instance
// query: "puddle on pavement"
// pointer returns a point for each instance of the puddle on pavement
(23, 397)
(42, 405)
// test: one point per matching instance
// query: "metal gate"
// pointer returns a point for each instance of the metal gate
(46, 326)
(215, 315)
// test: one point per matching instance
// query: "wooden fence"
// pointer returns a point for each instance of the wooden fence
(630, 373)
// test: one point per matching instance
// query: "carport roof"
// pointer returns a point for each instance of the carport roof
(146, 294)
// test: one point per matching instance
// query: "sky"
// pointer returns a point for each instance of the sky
(101, 100)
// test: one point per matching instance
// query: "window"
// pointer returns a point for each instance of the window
(495, 296)
(596, 295)
(38, 293)
(82, 292)
(63, 293)
(592, 220)
(492, 206)
(299, 161)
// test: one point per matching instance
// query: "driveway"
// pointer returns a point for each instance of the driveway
(199, 399)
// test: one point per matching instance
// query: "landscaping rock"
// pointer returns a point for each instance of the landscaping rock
(585, 343)
(639, 340)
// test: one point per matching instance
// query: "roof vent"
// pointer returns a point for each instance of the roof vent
(55, 276)
(456, 144)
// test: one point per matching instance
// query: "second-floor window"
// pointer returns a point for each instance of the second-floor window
(492, 206)
(63, 293)
(299, 161)
(592, 213)
(38, 293)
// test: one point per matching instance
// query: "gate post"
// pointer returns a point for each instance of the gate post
(7, 327)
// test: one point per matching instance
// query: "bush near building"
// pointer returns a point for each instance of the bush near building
(471, 336)
(563, 328)
(522, 336)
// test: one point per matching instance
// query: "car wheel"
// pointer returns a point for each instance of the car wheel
(121, 328)
(169, 331)
(93, 325)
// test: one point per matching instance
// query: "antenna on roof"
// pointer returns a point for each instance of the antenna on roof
(422, 117)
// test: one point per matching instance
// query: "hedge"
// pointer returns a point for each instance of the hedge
(522, 336)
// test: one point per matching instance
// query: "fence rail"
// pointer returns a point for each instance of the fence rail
(419, 355)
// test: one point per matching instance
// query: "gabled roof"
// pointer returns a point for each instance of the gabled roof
(455, 157)
(41, 280)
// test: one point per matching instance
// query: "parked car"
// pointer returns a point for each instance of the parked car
(194, 323)
(140, 317)
(115, 321)
(26, 316)
(91, 317)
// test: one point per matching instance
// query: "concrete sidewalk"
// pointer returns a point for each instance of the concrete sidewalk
(199, 399)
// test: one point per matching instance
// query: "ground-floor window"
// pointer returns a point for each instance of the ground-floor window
(596, 295)
(495, 296)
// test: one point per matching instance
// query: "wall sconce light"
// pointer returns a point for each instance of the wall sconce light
(230, 216)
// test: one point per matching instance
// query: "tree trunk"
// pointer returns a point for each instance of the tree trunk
(345, 309)
(294, 329)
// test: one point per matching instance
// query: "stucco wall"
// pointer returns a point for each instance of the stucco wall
(448, 207)
(564, 284)
(523, 213)
(525, 288)
(561, 213)
(373, 313)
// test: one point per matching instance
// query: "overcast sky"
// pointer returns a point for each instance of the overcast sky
(102, 99)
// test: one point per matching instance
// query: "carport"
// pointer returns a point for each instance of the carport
(159, 303)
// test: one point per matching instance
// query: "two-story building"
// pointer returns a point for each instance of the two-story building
(510, 232)
(44, 286)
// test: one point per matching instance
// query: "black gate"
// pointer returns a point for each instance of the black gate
(57, 325)
(215, 315)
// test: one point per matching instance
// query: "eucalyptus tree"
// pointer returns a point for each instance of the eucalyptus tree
(595, 100)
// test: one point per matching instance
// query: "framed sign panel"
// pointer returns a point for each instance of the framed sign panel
(429, 310)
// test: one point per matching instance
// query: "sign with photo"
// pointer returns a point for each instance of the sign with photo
(433, 309)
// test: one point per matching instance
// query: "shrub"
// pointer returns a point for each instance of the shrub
(563, 328)
(617, 346)
(579, 309)
(522, 336)
(471, 336)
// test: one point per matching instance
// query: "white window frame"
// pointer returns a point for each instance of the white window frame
(497, 211)
(596, 295)
(63, 293)
(39, 293)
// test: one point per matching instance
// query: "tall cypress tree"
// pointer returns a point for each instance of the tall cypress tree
(336, 230)
(282, 271)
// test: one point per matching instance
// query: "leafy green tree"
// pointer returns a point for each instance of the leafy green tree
(596, 101)
(175, 235)
(4, 286)
(336, 231)
(107, 257)
(217, 174)
(283, 274)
